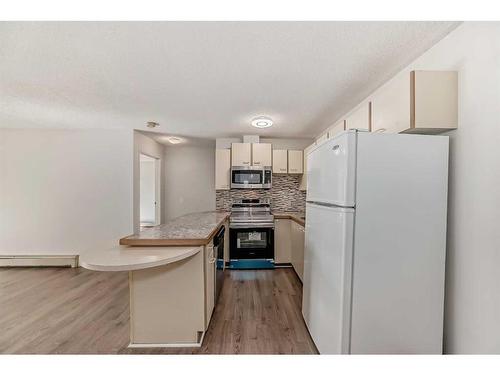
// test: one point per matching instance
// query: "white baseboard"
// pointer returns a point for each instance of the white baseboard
(39, 261)
(173, 345)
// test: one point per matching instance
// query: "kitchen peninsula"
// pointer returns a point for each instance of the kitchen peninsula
(171, 278)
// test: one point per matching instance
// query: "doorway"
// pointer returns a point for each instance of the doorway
(149, 191)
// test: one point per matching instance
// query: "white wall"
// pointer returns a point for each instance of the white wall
(189, 179)
(64, 191)
(472, 303)
(147, 146)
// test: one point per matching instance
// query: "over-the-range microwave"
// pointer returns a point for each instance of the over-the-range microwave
(253, 177)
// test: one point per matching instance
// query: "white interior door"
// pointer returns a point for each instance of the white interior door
(149, 190)
(327, 276)
(331, 171)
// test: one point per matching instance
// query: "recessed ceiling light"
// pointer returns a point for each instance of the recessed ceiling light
(152, 124)
(175, 140)
(262, 122)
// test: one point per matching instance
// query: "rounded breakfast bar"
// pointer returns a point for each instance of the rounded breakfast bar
(123, 258)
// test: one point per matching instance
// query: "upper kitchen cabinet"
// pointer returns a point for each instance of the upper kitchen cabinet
(360, 118)
(282, 241)
(262, 154)
(222, 169)
(322, 138)
(391, 106)
(295, 161)
(433, 101)
(336, 129)
(425, 102)
(241, 154)
(303, 179)
(280, 161)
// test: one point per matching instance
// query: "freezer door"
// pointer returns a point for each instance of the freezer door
(327, 276)
(331, 171)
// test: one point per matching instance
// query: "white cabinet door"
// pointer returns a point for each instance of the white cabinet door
(222, 169)
(295, 161)
(262, 154)
(336, 129)
(434, 101)
(209, 282)
(241, 154)
(282, 241)
(391, 106)
(280, 161)
(321, 139)
(327, 276)
(331, 170)
(360, 118)
(298, 249)
(303, 179)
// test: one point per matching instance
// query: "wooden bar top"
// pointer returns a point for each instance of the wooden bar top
(122, 258)
(188, 230)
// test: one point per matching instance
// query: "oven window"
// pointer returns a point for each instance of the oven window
(247, 177)
(251, 240)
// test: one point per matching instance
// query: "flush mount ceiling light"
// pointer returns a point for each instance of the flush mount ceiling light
(152, 124)
(175, 140)
(262, 122)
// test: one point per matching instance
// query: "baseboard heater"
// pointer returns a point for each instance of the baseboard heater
(39, 261)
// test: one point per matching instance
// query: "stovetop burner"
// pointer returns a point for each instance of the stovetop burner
(250, 213)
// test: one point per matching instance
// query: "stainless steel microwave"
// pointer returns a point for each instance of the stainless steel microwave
(253, 177)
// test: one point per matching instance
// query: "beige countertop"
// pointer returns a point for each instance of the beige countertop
(188, 230)
(123, 258)
(298, 217)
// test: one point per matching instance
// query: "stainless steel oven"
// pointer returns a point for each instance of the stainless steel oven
(251, 234)
(253, 177)
(252, 243)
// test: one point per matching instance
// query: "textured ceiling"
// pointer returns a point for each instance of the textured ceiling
(199, 79)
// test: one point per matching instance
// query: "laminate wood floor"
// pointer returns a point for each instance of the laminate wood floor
(72, 311)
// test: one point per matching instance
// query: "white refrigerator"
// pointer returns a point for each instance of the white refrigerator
(375, 243)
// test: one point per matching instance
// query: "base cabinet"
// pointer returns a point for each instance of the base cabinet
(297, 239)
(289, 244)
(153, 293)
(282, 241)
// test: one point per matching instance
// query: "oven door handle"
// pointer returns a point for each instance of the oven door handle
(234, 225)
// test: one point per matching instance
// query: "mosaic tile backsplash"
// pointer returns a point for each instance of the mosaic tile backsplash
(284, 194)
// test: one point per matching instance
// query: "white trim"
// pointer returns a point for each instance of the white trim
(39, 261)
(174, 345)
(158, 202)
